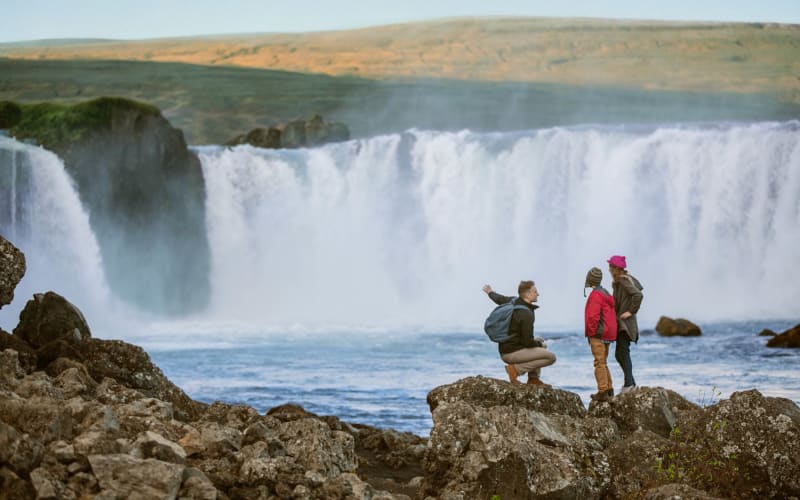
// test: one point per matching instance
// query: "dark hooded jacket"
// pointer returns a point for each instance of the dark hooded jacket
(628, 297)
(521, 329)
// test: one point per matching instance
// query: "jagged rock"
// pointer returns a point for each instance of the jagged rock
(26, 355)
(759, 436)
(489, 392)
(48, 487)
(389, 447)
(288, 412)
(143, 190)
(192, 443)
(295, 134)
(317, 448)
(649, 408)
(38, 384)
(766, 332)
(49, 317)
(10, 369)
(236, 416)
(634, 462)
(75, 381)
(789, 338)
(677, 492)
(219, 440)
(12, 487)
(152, 445)
(668, 327)
(515, 452)
(130, 477)
(12, 269)
(131, 366)
(196, 486)
(41, 417)
(21, 452)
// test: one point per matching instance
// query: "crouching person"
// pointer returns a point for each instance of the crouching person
(522, 352)
(601, 331)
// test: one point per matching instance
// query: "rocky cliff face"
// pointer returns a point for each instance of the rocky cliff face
(144, 192)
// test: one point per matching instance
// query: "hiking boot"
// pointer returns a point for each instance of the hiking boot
(600, 397)
(537, 381)
(512, 374)
(610, 393)
(627, 388)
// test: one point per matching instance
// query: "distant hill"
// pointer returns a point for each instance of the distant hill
(728, 57)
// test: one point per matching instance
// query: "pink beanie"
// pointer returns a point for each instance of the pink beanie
(618, 261)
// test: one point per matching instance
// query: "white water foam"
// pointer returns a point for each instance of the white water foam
(401, 231)
(53, 231)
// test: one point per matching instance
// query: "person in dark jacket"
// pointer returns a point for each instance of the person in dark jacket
(601, 330)
(524, 353)
(627, 300)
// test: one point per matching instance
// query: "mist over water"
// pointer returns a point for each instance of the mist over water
(401, 231)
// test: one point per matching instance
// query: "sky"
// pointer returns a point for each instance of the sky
(135, 19)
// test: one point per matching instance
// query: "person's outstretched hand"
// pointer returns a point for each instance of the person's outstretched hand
(487, 289)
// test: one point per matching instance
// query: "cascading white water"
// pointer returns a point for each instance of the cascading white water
(402, 231)
(52, 230)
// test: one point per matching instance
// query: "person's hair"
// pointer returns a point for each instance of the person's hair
(524, 286)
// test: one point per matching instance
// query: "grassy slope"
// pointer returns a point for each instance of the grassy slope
(212, 104)
(645, 55)
(491, 74)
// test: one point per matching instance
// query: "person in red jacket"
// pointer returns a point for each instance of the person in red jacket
(601, 331)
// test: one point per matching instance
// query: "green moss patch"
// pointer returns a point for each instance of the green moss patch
(53, 124)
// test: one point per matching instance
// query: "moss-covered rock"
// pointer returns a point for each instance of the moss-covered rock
(10, 114)
(52, 124)
(144, 191)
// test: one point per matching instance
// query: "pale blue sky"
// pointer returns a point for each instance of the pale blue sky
(125, 19)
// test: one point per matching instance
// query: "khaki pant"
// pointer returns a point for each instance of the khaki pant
(529, 360)
(601, 373)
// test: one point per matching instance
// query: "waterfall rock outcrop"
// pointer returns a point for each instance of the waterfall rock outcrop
(295, 134)
(144, 192)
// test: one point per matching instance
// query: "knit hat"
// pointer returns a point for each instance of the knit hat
(593, 278)
(618, 261)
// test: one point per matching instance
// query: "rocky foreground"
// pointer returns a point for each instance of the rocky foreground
(82, 417)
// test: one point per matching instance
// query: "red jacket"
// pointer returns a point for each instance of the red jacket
(600, 315)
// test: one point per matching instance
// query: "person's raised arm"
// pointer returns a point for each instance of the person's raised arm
(496, 297)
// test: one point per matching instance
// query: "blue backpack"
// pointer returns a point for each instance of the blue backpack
(499, 321)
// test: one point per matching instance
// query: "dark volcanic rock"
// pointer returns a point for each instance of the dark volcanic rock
(680, 327)
(144, 192)
(49, 317)
(489, 392)
(633, 462)
(766, 332)
(12, 269)
(789, 338)
(295, 134)
(131, 366)
(653, 409)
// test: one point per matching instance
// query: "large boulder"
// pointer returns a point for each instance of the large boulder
(634, 463)
(749, 444)
(515, 452)
(132, 367)
(49, 317)
(124, 476)
(488, 392)
(12, 269)
(653, 409)
(680, 327)
(144, 192)
(789, 338)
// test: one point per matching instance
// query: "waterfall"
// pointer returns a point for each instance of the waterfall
(44, 217)
(403, 230)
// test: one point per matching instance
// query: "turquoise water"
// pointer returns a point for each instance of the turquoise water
(382, 378)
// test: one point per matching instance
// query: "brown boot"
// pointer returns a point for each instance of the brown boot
(537, 381)
(512, 374)
(600, 397)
